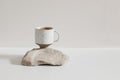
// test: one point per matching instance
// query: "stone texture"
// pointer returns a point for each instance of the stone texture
(47, 56)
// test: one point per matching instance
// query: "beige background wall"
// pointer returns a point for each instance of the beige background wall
(81, 23)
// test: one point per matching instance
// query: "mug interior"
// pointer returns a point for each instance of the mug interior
(45, 28)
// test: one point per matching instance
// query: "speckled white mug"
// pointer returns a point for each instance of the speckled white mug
(45, 35)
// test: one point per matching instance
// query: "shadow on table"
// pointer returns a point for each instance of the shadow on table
(14, 59)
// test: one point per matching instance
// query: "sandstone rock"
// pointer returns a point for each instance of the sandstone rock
(47, 56)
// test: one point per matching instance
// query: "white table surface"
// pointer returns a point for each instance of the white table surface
(84, 64)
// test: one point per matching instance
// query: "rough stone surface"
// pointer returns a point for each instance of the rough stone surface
(47, 56)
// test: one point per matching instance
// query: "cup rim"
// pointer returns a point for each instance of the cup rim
(44, 28)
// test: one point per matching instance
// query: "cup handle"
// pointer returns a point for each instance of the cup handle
(57, 35)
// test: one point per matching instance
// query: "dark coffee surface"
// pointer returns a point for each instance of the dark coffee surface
(46, 28)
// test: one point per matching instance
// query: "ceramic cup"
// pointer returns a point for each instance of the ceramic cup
(44, 36)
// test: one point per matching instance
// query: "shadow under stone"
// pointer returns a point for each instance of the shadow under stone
(14, 59)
